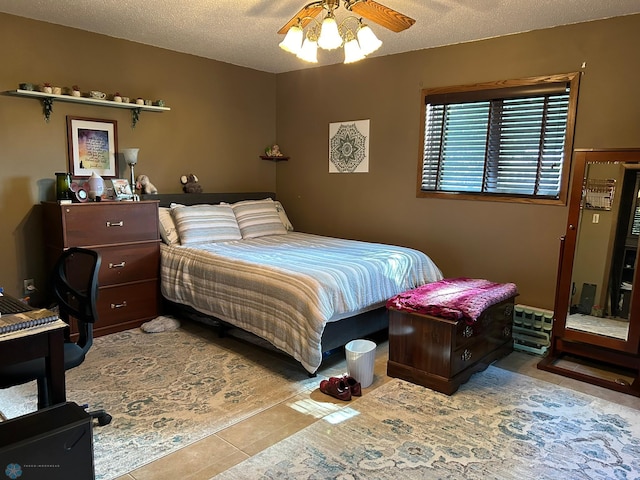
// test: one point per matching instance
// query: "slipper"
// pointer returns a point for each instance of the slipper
(336, 387)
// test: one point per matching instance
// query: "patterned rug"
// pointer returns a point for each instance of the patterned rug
(500, 425)
(167, 390)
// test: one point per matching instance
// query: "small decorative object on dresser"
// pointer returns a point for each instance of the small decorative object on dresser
(443, 332)
(95, 186)
(121, 189)
(145, 186)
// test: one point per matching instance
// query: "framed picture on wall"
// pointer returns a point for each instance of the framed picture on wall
(93, 144)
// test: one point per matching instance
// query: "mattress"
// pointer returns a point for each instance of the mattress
(285, 288)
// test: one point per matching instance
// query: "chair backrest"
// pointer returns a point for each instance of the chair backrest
(75, 288)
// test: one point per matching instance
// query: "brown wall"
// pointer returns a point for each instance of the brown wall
(223, 116)
(221, 119)
(499, 241)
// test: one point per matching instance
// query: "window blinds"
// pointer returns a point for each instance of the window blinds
(510, 145)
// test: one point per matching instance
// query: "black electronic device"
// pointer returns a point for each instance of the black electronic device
(53, 443)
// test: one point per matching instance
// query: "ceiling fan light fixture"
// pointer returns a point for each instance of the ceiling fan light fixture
(368, 41)
(292, 42)
(352, 51)
(330, 38)
(322, 30)
(309, 51)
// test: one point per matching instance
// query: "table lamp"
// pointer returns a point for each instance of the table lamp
(131, 157)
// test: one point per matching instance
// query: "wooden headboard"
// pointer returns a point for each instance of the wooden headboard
(166, 199)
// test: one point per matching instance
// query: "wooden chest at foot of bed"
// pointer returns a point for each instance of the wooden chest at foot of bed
(442, 354)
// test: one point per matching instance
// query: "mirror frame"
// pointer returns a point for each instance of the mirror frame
(567, 253)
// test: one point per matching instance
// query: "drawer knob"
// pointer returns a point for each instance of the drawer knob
(506, 331)
(115, 224)
(466, 355)
(468, 331)
(118, 305)
(117, 265)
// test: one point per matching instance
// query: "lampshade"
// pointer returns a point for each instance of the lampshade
(352, 51)
(130, 155)
(309, 51)
(304, 38)
(330, 38)
(368, 41)
(292, 42)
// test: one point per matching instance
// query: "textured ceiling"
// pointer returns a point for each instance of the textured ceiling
(243, 32)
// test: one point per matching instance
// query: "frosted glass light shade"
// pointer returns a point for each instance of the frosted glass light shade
(309, 51)
(330, 38)
(130, 155)
(369, 43)
(352, 51)
(292, 42)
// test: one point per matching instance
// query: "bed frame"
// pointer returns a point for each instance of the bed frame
(336, 334)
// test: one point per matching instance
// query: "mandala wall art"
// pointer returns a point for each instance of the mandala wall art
(349, 147)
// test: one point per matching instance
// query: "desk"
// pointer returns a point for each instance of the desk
(45, 341)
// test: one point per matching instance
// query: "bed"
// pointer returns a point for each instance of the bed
(305, 294)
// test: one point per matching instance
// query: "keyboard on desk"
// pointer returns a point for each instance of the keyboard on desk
(9, 305)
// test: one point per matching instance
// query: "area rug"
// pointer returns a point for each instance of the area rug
(167, 390)
(500, 425)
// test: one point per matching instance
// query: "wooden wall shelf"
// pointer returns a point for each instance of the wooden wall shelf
(274, 159)
(48, 99)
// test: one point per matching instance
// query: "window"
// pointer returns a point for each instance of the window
(508, 141)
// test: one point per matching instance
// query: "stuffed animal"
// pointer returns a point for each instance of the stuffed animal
(145, 186)
(190, 184)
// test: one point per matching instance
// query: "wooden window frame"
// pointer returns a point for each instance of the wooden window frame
(495, 90)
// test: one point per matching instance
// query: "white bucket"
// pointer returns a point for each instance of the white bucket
(361, 356)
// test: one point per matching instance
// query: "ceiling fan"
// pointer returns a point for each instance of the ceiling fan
(358, 41)
(374, 11)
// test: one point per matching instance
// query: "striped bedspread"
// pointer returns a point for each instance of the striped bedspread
(285, 288)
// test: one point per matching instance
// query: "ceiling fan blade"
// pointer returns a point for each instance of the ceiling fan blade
(385, 16)
(310, 10)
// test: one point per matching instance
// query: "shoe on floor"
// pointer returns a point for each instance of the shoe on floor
(336, 387)
(354, 385)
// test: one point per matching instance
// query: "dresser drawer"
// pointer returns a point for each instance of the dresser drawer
(129, 263)
(109, 222)
(125, 303)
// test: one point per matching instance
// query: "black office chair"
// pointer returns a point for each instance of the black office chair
(74, 281)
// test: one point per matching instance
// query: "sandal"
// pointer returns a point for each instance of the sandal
(336, 387)
(354, 385)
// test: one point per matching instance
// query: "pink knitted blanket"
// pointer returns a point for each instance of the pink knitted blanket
(453, 298)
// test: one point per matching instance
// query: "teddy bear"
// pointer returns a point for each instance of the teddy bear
(190, 184)
(144, 185)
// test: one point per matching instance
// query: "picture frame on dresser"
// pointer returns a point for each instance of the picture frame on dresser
(121, 189)
(93, 146)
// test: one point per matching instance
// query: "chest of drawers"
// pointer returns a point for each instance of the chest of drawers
(442, 354)
(126, 235)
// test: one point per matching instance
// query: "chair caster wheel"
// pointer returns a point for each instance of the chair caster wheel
(104, 419)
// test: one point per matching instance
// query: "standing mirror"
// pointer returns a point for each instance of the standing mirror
(596, 332)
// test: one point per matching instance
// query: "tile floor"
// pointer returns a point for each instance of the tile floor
(216, 453)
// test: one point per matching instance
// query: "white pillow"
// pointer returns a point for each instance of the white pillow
(283, 216)
(168, 230)
(205, 223)
(257, 218)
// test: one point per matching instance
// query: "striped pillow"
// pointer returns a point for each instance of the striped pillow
(257, 218)
(168, 230)
(205, 223)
